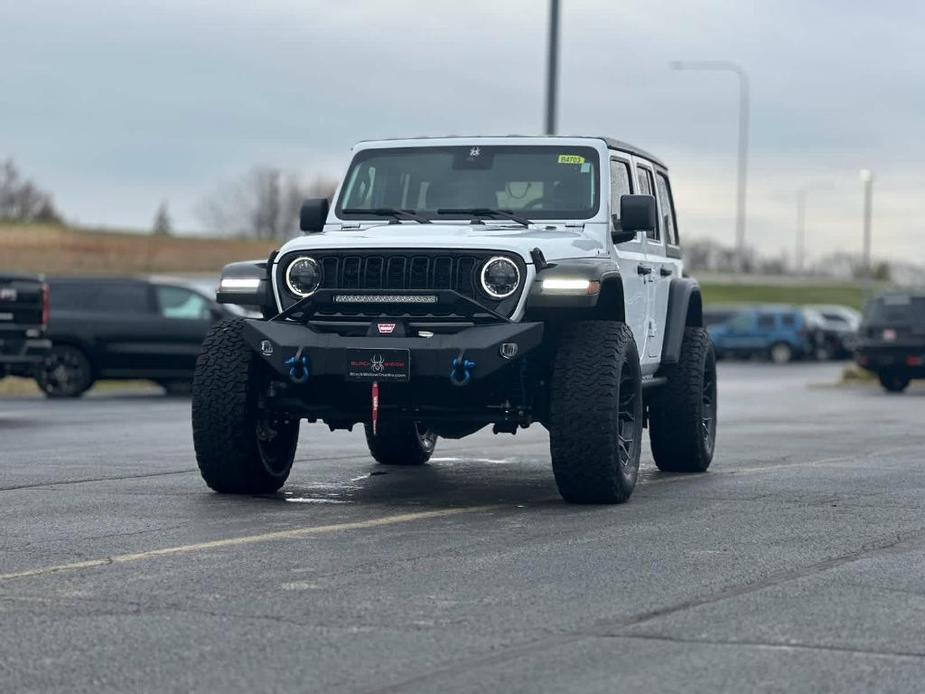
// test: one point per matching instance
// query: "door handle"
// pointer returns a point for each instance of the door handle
(666, 272)
(644, 269)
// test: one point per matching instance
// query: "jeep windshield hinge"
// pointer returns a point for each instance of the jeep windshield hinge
(539, 260)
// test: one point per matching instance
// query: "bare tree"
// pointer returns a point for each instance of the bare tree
(21, 200)
(162, 224)
(263, 204)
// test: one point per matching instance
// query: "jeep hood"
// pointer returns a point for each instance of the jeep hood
(556, 244)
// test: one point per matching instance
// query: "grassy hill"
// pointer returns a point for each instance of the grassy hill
(798, 292)
(61, 250)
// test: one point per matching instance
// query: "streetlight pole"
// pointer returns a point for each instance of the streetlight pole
(801, 231)
(742, 173)
(552, 67)
(867, 178)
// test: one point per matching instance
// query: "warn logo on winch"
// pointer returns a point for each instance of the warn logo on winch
(385, 328)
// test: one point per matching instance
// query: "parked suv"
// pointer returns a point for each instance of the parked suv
(839, 326)
(463, 282)
(780, 333)
(23, 318)
(891, 339)
(124, 329)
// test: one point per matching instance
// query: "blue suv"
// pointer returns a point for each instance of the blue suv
(782, 333)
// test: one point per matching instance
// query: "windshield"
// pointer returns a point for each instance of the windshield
(898, 309)
(536, 182)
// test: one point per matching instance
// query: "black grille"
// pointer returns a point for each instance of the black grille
(398, 272)
(405, 270)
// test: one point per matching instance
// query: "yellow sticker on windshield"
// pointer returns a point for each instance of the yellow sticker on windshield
(571, 159)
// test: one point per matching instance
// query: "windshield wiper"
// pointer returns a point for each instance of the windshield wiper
(480, 212)
(396, 214)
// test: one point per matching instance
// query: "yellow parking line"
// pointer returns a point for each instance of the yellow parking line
(293, 534)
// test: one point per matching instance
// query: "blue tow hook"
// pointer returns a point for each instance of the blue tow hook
(461, 372)
(299, 368)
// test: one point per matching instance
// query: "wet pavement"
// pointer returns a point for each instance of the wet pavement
(795, 564)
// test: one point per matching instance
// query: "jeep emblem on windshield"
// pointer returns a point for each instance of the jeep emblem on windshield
(474, 152)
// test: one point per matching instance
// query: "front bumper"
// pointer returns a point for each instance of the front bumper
(430, 357)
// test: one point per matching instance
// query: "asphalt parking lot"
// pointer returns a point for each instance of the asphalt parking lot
(796, 564)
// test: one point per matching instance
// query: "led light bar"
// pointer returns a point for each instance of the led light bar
(385, 299)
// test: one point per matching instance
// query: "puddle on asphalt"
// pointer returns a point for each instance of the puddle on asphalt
(294, 498)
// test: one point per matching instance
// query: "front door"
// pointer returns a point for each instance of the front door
(631, 258)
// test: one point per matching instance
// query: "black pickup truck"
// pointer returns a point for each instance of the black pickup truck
(23, 324)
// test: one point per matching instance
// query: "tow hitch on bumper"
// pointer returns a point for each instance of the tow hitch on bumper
(298, 353)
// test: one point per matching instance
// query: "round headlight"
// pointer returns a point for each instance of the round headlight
(500, 277)
(303, 276)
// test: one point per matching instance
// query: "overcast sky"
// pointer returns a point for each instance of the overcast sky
(114, 106)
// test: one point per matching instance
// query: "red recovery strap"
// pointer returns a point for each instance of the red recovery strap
(375, 399)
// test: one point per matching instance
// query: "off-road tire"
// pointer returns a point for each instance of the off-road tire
(893, 382)
(65, 373)
(400, 443)
(239, 448)
(595, 413)
(682, 413)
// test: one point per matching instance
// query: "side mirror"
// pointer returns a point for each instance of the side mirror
(313, 214)
(638, 213)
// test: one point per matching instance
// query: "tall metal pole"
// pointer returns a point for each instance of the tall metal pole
(868, 179)
(552, 67)
(742, 168)
(742, 177)
(801, 232)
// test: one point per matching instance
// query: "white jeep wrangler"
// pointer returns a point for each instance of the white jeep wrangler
(460, 282)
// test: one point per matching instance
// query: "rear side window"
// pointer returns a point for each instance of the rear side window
(116, 297)
(71, 296)
(105, 297)
(669, 223)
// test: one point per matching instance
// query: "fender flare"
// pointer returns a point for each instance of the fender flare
(606, 303)
(685, 310)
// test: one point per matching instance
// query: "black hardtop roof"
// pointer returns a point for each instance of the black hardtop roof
(611, 143)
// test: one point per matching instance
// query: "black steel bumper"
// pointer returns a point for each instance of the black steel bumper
(430, 357)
